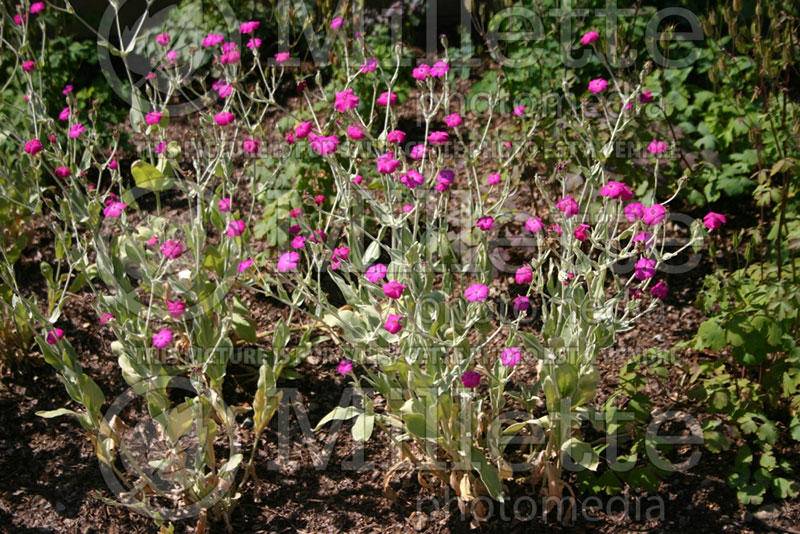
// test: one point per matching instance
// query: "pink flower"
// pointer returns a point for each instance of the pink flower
(714, 220)
(113, 165)
(153, 241)
(28, 66)
(62, 172)
(67, 90)
(224, 89)
(417, 152)
(393, 290)
(634, 211)
(580, 232)
(446, 177)
(224, 205)
(172, 249)
(470, 379)
(408, 208)
(288, 261)
(534, 224)
(302, 130)
(54, 336)
(438, 138)
(567, 206)
(51, 138)
(493, 179)
(357, 179)
(298, 242)
(646, 97)
(250, 145)
(230, 57)
(412, 179)
(376, 272)
(644, 237)
(319, 200)
(295, 213)
(176, 308)
(236, 228)
(654, 214)
(386, 163)
(354, 131)
(162, 339)
(114, 210)
(337, 23)
(369, 65)
(524, 275)
(616, 190)
(518, 111)
(476, 293)
(555, 228)
(223, 118)
(392, 324)
(589, 37)
(421, 72)
(289, 138)
(163, 39)
(295, 229)
(635, 292)
(344, 367)
(657, 147)
(153, 118)
(244, 265)
(280, 57)
(645, 268)
(338, 255)
(511, 356)
(386, 98)
(485, 223)
(213, 39)
(522, 303)
(345, 100)
(254, 43)
(33, 147)
(597, 85)
(659, 290)
(324, 144)
(453, 120)
(64, 115)
(439, 69)
(37, 7)
(76, 130)
(249, 27)
(106, 317)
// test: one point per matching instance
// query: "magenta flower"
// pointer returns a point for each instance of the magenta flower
(476, 293)
(319, 200)
(375, 273)
(439, 69)
(386, 98)
(438, 138)
(714, 220)
(224, 118)
(172, 250)
(369, 65)
(280, 57)
(224, 205)
(244, 265)
(598, 85)
(76, 130)
(338, 255)
(106, 317)
(176, 308)
(616, 190)
(162, 339)
(589, 37)
(249, 27)
(37, 7)
(518, 111)
(567, 206)
(421, 72)
(236, 228)
(522, 303)
(302, 130)
(493, 179)
(67, 90)
(644, 237)
(33, 147)
(555, 228)
(657, 147)
(453, 120)
(654, 214)
(337, 23)
(250, 145)
(213, 39)
(412, 179)
(295, 213)
(288, 261)
(344, 367)
(408, 208)
(417, 152)
(113, 165)
(298, 242)
(153, 241)
(511, 356)
(659, 290)
(28, 66)
(230, 57)
(354, 131)
(114, 210)
(386, 163)
(646, 97)
(524, 275)
(153, 118)
(345, 100)
(534, 224)
(634, 211)
(254, 43)
(645, 268)
(392, 324)
(580, 232)
(163, 39)
(324, 144)
(470, 379)
(396, 136)
(62, 172)
(393, 290)
(485, 223)
(357, 179)
(64, 115)
(54, 336)
(295, 229)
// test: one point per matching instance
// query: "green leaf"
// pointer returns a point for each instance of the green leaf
(148, 177)
(418, 425)
(362, 427)
(339, 414)
(49, 414)
(711, 335)
(488, 474)
(582, 453)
